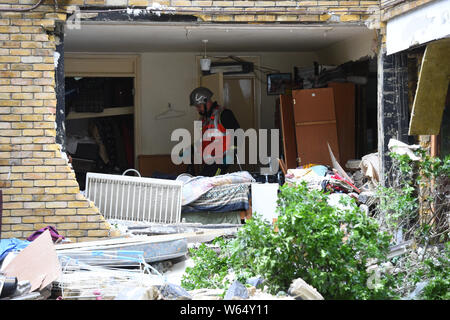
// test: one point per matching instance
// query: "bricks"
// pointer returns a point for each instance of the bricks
(391, 11)
(98, 233)
(138, 3)
(350, 18)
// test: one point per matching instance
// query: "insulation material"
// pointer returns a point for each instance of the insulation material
(432, 87)
(403, 148)
(370, 167)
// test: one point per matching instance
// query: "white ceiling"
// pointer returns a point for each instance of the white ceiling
(138, 37)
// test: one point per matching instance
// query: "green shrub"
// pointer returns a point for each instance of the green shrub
(330, 247)
(415, 187)
(209, 270)
(326, 246)
(437, 273)
(414, 201)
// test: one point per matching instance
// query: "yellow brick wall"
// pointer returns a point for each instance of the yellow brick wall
(391, 9)
(39, 187)
(306, 11)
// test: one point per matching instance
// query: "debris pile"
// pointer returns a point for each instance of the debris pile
(146, 261)
(358, 182)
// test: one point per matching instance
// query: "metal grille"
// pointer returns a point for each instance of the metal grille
(135, 198)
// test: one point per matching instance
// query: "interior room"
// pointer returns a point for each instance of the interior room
(127, 88)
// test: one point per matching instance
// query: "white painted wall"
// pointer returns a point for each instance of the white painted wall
(170, 77)
(426, 23)
(351, 49)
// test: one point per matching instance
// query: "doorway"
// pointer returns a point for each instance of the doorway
(100, 121)
(239, 97)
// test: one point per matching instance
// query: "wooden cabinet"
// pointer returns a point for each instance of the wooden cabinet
(344, 104)
(315, 125)
(288, 131)
(313, 118)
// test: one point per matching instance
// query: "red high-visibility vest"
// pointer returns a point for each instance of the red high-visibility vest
(216, 133)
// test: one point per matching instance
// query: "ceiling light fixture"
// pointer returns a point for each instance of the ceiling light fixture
(205, 63)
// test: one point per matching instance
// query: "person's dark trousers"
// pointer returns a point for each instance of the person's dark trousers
(210, 170)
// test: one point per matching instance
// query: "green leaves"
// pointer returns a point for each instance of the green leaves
(326, 246)
(437, 273)
(209, 270)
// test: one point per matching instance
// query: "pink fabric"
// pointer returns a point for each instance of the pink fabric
(53, 232)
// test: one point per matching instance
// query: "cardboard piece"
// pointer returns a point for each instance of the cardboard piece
(37, 263)
(337, 166)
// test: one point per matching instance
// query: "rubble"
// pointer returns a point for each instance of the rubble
(255, 281)
(206, 294)
(417, 291)
(236, 291)
(174, 292)
(300, 290)
(146, 261)
(139, 293)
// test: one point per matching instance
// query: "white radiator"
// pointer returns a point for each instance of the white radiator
(135, 198)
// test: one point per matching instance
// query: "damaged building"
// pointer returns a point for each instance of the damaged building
(93, 94)
(98, 86)
(93, 86)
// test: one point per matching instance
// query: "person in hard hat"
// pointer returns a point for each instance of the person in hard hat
(215, 121)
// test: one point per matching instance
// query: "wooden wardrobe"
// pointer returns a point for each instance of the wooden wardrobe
(322, 116)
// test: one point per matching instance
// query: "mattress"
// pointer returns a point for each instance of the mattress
(224, 198)
(208, 217)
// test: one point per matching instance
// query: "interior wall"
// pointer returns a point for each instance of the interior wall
(169, 77)
(351, 49)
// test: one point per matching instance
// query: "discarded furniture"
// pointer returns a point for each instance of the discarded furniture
(215, 200)
(344, 104)
(315, 125)
(126, 251)
(321, 116)
(135, 198)
(288, 131)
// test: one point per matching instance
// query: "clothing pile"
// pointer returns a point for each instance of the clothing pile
(320, 177)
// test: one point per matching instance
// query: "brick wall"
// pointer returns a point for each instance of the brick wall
(348, 11)
(393, 8)
(39, 187)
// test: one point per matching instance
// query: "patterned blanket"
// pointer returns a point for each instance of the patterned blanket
(195, 187)
(225, 198)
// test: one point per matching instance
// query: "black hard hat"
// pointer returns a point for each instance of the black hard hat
(200, 95)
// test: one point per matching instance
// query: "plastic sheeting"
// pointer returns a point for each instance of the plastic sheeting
(10, 245)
